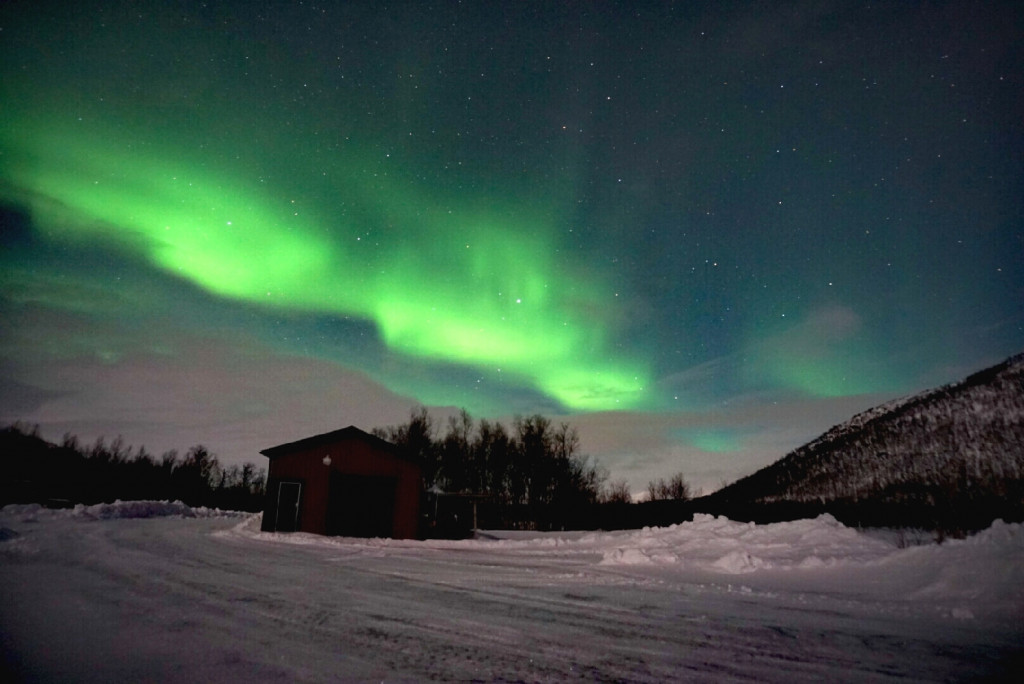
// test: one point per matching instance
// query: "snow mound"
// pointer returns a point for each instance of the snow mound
(116, 510)
(961, 576)
(150, 509)
(1001, 533)
(24, 512)
(718, 544)
(133, 509)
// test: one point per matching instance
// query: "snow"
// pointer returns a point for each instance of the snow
(118, 509)
(162, 591)
(717, 543)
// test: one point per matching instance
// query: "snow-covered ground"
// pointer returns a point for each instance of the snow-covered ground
(162, 592)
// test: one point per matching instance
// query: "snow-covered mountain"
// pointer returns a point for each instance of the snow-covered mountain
(951, 456)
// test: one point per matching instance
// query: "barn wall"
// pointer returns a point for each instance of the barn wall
(352, 456)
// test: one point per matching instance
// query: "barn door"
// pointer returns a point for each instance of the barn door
(288, 496)
(361, 505)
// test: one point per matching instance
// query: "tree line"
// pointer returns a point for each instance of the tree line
(37, 471)
(535, 463)
(530, 475)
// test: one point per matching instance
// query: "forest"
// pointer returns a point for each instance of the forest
(532, 475)
(60, 475)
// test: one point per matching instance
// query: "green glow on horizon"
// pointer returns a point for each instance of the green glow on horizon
(474, 288)
(822, 378)
(712, 441)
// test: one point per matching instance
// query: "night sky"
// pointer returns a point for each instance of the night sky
(702, 233)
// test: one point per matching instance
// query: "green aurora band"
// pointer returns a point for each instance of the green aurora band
(473, 287)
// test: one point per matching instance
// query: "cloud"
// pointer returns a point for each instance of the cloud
(22, 399)
(817, 335)
(757, 430)
(829, 353)
(236, 397)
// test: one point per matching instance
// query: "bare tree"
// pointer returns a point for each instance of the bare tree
(676, 489)
(618, 493)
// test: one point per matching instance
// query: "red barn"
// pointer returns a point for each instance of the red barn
(345, 482)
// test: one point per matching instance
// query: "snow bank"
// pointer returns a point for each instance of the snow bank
(118, 509)
(721, 545)
(138, 509)
(983, 571)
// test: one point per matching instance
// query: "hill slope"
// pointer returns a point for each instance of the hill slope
(952, 457)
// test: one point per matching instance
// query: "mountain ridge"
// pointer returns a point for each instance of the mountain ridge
(948, 456)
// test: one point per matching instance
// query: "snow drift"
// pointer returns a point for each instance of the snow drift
(719, 544)
(117, 509)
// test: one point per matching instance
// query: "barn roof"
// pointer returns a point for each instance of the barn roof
(351, 432)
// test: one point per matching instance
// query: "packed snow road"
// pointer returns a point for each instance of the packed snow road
(93, 596)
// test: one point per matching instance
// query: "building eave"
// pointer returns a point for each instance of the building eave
(350, 432)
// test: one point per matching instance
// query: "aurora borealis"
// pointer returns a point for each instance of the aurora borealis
(474, 289)
(702, 233)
